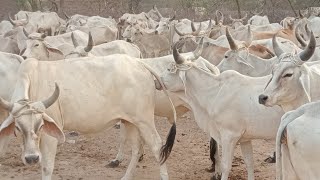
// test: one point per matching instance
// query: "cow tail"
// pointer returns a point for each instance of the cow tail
(213, 151)
(167, 147)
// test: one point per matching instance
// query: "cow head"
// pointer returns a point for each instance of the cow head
(237, 22)
(289, 86)
(237, 57)
(80, 51)
(17, 23)
(37, 48)
(174, 78)
(29, 120)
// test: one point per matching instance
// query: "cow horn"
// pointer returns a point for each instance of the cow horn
(74, 41)
(300, 14)
(27, 19)
(222, 17)
(11, 20)
(193, 28)
(306, 54)
(174, 16)
(277, 49)
(177, 57)
(66, 15)
(249, 37)
(196, 33)
(25, 32)
(306, 27)
(230, 17)
(198, 51)
(177, 31)
(157, 11)
(244, 17)
(299, 38)
(53, 98)
(232, 43)
(5, 104)
(90, 43)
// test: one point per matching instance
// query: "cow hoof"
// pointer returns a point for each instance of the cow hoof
(216, 177)
(211, 169)
(117, 126)
(270, 160)
(113, 164)
(141, 158)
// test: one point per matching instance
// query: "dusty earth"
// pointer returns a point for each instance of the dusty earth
(88, 156)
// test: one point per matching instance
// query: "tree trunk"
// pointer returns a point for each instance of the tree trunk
(295, 13)
(238, 6)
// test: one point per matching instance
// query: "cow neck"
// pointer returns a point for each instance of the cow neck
(201, 88)
(262, 67)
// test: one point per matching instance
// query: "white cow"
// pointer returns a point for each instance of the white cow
(75, 107)
(216, 100)
(105, 49)
(293, 82)
(298, 143)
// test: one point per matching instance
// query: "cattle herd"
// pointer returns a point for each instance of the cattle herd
(241, 81)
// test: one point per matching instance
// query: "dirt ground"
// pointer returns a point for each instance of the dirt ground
(88, 156)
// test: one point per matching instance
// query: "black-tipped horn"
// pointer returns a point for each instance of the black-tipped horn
(90, 43)
(232, 43)
(198, 51)
(299, 38)
(177, 31)
(177, 57)
(196, 33)
(174, 16)
(193, 28)
(11, 20)
(74, 41)
(5, 104)
(306, 54)
(66, 15)
(277, 49)
(53, 98)
(25, 32)
(300, 14)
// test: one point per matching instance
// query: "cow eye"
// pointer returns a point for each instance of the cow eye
(36, 45)
(18, 129)
(225, 56)
(287, 75)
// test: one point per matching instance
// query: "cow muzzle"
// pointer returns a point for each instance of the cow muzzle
(32, 159)
(263, 99)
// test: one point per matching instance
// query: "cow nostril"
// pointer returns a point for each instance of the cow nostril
(263, 99)
(32, 159)
(24, 57)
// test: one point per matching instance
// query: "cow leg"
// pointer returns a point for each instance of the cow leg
(247, 152)
(228, 144)
(153, 140)
(288, 172)
(135, 141)
(4, 145)
(48, 148)
(123, 138)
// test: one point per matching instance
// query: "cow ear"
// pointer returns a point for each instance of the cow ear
(7, 127)
(51, 128)
(305, 83)
(54, 50)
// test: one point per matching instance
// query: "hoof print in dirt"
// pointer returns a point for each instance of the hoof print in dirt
(113, 164)
(141, 158)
